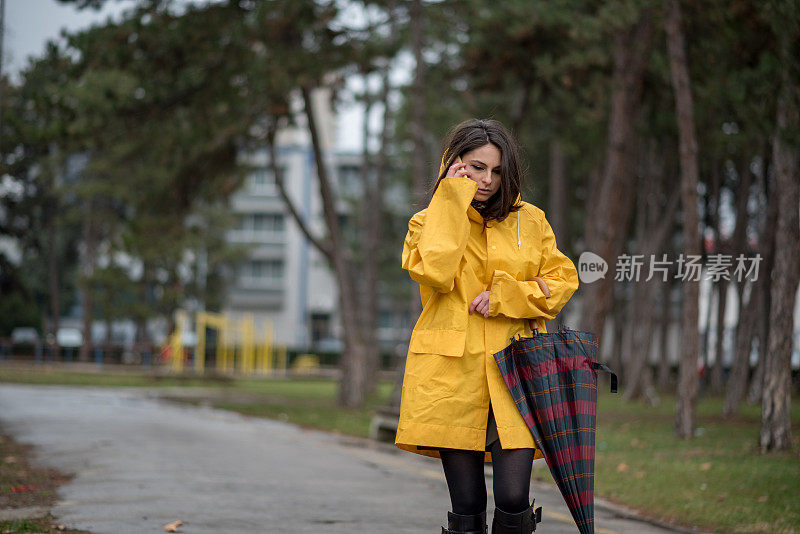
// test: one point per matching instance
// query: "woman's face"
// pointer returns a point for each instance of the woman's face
(483, 166)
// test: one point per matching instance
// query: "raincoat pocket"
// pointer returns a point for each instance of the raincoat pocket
(444, 342)
(435, 377)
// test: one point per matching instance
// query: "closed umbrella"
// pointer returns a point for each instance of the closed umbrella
(552, 377)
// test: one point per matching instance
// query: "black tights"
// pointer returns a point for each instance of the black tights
(464, 473)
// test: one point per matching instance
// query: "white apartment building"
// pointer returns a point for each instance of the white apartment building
(285, 280)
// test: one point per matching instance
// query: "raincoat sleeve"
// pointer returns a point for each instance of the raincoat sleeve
(524, 299)
(437, 237)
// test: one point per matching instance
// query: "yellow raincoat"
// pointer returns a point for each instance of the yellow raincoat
(451, 375)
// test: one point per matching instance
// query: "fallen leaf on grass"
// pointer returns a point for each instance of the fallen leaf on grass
(639, 474)
(173, 527)
(721, 498)
(20, 489)
(763, 498)
(705, 467)
(622, 467)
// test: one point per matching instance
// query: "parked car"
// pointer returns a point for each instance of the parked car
(24, 335)
(69, 337)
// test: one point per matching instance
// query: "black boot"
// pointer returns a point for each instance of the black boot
(523, 522)
(466, 524)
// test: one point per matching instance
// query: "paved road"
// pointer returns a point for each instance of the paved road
(142, 462)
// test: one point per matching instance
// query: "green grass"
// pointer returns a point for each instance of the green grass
(352, 422)
(717, 481)
(22, 526)
(50, 376)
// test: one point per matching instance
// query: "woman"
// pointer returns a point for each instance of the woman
(486, 262)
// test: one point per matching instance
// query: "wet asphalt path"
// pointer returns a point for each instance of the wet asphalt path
(142, 462)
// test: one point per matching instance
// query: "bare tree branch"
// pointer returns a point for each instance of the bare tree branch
(324, 248)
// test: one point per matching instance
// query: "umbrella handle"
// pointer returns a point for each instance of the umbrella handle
(603, 367)
(532, 325)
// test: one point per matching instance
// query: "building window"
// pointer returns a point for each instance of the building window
(320, 326)
(261, 273)
(350, 180)
(262, 181)
(267, 222)
(386, 319)
(260, 227)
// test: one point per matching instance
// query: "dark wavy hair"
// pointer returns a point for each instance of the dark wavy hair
(474, 133)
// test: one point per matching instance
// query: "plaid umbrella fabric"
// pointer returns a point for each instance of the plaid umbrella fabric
(553, 379)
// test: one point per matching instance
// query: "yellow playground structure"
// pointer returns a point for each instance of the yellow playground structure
(236, 347)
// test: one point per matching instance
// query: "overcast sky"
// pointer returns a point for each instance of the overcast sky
(31, 23)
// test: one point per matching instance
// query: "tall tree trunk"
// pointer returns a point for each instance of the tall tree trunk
(664, 377)
(716, 294)
(740, 370)
(607, 228)
(715, 378)
(626, 338)
(373, 232)
(558, 202)
(755, 394)
(631, 357)
(595, 178)
(558, 205)
(764, 298)
(710, 200)
(653, 227)
(638, 380)
(687, 380)
(352, 387)
(618, 322)
(705, 338)
(720, 247)
(109, 338)
(381, 171)
(52, 267)
(520, 103)
(89, 260)
(775, 420)
(144, 296)
(368, 303)
(2, 63)
(747, 310)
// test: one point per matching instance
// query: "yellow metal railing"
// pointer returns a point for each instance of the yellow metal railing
(236, 347)
(306, 363)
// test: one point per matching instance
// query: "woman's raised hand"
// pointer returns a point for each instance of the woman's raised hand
(458, 168)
